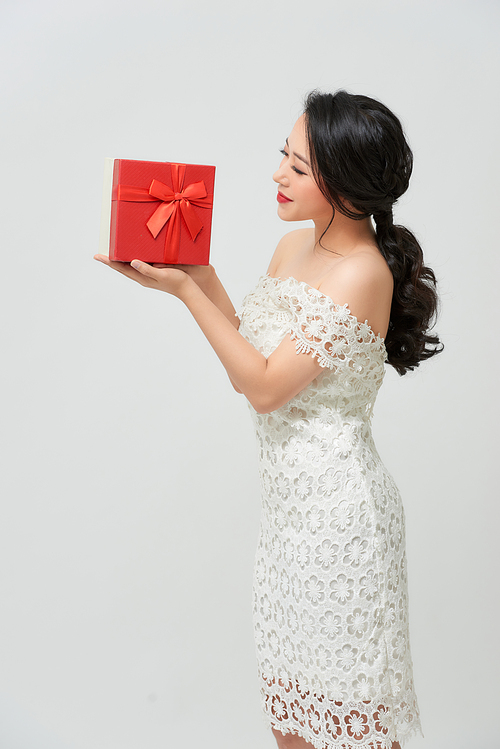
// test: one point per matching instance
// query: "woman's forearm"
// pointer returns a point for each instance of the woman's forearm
(215, 291)
(217, 294)
(206, 278)
(245, 366)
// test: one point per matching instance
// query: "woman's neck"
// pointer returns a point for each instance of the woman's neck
(345, 235)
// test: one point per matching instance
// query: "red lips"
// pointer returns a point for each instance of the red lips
(283, 198)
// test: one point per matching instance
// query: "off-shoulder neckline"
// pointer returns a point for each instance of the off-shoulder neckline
(376, 336)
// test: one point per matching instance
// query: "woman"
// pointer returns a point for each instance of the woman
(308, 352)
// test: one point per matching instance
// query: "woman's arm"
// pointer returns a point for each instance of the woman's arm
(270, 383)
(267, 383)
(207, 280)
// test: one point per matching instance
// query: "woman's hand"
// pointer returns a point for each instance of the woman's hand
(202, 275)
(171, 279)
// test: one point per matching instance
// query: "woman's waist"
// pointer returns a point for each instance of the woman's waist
(297, 437)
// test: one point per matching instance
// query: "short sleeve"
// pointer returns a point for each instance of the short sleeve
(327, 330)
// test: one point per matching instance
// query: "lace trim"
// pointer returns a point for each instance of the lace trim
(328, 299)
(328, 724)
(325, 329)
(319, 326)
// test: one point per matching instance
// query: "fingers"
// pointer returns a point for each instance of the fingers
(120, 267)
(145, 269)
(169, 279)
(140, 275)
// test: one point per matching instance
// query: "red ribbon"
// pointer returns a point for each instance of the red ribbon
(175, 201)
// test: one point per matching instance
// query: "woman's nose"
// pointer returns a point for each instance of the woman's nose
(279, 177)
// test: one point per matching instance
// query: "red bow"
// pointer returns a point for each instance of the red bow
(175, 200)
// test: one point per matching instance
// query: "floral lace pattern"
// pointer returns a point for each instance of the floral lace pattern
(330, 589)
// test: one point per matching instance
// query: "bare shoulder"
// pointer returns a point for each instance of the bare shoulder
(288, 246)
(365, 283)
(364, 268)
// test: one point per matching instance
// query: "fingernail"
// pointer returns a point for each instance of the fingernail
(135, 264)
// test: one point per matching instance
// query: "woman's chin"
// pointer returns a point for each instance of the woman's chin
(286, 215)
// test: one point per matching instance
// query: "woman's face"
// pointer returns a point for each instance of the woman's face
(299, 197)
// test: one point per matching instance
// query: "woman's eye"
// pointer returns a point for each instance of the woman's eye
(282, 150)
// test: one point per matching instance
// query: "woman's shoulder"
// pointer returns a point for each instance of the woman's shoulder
(365, 266)
(365, 283)
(289, 246)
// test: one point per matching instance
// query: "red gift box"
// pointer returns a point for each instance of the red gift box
(161, 212)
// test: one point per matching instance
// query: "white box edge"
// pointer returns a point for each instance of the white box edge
(105, 229)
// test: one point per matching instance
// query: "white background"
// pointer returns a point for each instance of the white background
(130, 502)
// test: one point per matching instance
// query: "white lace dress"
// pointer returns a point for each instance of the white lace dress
(330, 592)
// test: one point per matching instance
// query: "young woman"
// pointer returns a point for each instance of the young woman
(308, 352)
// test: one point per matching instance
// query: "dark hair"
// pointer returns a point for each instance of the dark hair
(359, 154)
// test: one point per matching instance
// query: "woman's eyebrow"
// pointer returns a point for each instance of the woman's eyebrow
(298, 156)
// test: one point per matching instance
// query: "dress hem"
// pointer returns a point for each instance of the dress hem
(385, 743)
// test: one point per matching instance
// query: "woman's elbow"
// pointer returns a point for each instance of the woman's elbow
(264, 403)
(235, 387)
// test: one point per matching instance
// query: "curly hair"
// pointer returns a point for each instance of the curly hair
(359, 154)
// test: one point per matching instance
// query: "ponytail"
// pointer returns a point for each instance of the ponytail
(414, 300)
